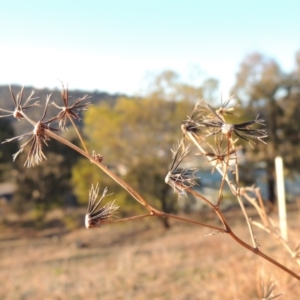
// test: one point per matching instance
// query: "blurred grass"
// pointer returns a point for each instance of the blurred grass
(138, 260)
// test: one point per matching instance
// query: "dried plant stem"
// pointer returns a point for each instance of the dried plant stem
(224, 174)
(214, 207)
(276, 236)
(227, 229)
(262, 207)
(192, 138)
(128, 188)
(259, 207)
(268, 225)
(263, 255)
(196, 194)
(255, 250)
(153, 211)
(163, 214)
(236, 166)
(247, 220)
(127, 219)
(237, 180)
(33, 123)
(78, 134)
(233, 188)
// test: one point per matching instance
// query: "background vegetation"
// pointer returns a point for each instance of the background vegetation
(134, 136)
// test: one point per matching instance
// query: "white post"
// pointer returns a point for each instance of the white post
(281, 197)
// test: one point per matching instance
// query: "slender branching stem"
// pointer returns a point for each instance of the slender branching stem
(78, 134)
(256, 251)
(233, 188)
(108, 172)
(127, 219)
(193, 139)
(224, 171)
(264, 216)
(214, 207)
(163, 214)
(247, 220)
(222, 168)
(127, 187)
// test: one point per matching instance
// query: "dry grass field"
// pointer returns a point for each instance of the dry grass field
(139, 260)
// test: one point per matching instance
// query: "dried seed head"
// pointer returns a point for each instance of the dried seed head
(69, 111)
(18, 112)
(38, 137)
(215, 123)
(180, 178)
(96, 215)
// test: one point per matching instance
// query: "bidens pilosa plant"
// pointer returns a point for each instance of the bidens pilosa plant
(215, 139)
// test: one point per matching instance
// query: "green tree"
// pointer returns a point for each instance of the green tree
(135, 135)
(46, 185)
(262, 86)
(41, 188)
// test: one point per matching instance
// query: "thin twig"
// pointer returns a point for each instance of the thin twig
(78, 133)
(233, 188)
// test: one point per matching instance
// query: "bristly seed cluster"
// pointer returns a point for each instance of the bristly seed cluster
(38, 136)
(70, 111)
(205, 121)
(180, 178)
(19, 106)
(96, 215)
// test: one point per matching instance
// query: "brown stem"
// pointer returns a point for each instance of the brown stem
(78, 134)
(158, 213)
(116, 178)
(263, 255)
(127, 219)
(276, 236)
(233, 188)
(154, 212)
(262, 207)
(163, 214)
(196, 194)
(224, 175)
(256, 251)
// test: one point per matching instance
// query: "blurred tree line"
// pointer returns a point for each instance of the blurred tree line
(263, 88)
(135, 134)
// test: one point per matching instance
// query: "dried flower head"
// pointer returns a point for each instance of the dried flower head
(97, 215)
(192, 124)
(38, 136)
(245, 130)
(19, 106)
(180, 178)
(71, 111)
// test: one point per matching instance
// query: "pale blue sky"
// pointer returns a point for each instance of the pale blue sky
(113, 45)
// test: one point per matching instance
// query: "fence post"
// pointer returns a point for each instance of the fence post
(281, 197)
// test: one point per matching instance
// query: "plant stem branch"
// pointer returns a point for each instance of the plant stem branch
(78, 134)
